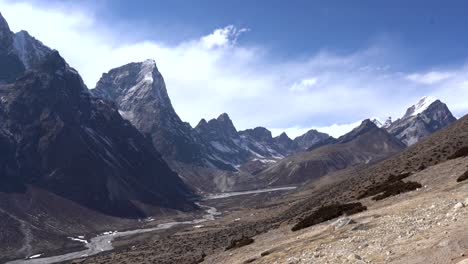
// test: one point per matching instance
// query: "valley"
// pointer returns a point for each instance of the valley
(103, 242)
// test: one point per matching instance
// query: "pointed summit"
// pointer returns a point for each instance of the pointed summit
(11, 66)
(139, 91)
(220, 128)
(6, 36)
(132, 84)
(365, 127)
(309, 139)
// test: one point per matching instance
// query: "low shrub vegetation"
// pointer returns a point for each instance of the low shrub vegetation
(463, 177)
(238, 243)
(329, 212)
(396, 188)
(383, 187)
(463, 152)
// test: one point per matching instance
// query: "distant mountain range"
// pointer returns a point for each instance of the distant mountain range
(139, 91)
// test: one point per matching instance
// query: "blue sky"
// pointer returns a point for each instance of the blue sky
(286, 65)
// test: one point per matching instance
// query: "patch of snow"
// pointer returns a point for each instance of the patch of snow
(377, 122)
(221, 147)
(35, 256)
(78, 240)
(422, 105)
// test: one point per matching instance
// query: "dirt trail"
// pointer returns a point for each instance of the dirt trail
(25, 228)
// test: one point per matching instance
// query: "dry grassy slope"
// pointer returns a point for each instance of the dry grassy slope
(372, 146)
(433, 150)
(422, 226)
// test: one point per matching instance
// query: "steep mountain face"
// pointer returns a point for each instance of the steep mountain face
(140, 93)
(30, 51)
(55, 136)
(10, 64)
(18, 52)
(426, 117)
(365, 144)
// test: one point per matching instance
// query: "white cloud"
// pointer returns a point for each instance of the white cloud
(212, 74)
(304, 85)
(430, 77)
(223, 37)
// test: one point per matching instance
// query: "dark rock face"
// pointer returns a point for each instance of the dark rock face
(421, 120)
(259, 133)
(11, 66)
(283, 141)
(56, 136)
(30, 51)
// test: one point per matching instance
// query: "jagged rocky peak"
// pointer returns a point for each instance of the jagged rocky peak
(309, 139)
(219, 128)
(6, 36)
(134, 80)
(379, 123)
(259, 133)
(18, 52)
(11, 66)
(139, 90)
(283, 137)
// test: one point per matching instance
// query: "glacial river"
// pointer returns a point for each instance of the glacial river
(103, 242)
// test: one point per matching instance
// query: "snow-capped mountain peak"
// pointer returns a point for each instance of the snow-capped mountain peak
(421, 106)
(421, 120)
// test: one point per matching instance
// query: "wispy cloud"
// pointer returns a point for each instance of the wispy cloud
(223, 37)
(213, 73)
(430, 77)
(304, 85)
